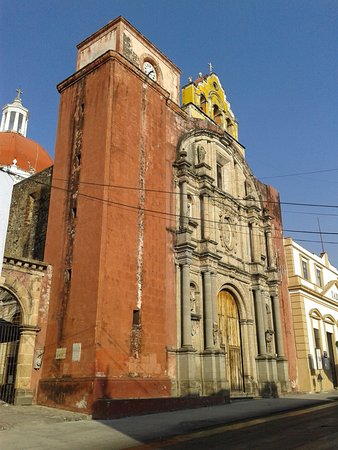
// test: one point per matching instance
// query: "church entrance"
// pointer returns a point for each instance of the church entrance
(10, 318)
(230, 336)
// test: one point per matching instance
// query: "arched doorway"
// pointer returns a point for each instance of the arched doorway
(10, 320)
(230, 337)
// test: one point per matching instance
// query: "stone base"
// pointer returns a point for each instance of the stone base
(187, 383)
(283, 374)
(112, 409)
(268, 378)
(213, 374)
(81, 394)
(23, 397)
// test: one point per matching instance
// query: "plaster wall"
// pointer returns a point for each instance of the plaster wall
(6, 187)
(120, 36)
(119, 304)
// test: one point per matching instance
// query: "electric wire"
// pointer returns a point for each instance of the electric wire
(167, 214)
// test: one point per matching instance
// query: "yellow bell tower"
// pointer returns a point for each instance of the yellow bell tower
(205, 98)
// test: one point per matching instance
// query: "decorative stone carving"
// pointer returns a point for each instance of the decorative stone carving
(128, 51)
(269, 340)
(215, 333)
(195, 328)
(193, 308)
(201, 152)
(226, 228)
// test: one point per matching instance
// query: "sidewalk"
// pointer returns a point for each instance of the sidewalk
(37, 427)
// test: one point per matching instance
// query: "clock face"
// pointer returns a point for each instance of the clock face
(149, 70)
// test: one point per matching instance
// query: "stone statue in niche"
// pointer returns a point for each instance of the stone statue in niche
(269, 340)
(201, 154)
(226, 232)
(215, 333)
(193, 308)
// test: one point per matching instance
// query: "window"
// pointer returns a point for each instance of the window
(203, 103)
(217, 114)
(219, 170)
(317, 337)
(229, 126)
(11, 121)
(251, 249)
(305, 269)
(20, 122)
(319, 276)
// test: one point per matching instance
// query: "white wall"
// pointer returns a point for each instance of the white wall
(6, 187)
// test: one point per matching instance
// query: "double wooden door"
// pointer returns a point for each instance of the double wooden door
(230, 336)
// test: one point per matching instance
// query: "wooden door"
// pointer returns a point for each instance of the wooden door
(230, 337)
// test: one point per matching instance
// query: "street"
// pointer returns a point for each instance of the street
(295, 422)
(294, 430)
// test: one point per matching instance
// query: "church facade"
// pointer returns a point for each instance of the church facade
(164, 246)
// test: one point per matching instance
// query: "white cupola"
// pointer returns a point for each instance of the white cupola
(15, 116)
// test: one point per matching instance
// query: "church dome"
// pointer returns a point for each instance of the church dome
(29, 155)
(16, 150)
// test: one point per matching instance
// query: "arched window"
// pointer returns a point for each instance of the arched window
(217, 115)
(203, 103)
(229, 126)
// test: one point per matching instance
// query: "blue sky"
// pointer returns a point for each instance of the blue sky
(277, 61)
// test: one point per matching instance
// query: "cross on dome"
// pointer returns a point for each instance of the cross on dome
(18, 96)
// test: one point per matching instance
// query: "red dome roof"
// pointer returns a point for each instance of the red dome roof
(29, 154)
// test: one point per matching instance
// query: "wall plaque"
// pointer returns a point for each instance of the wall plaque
(76, 355)
(60, 353)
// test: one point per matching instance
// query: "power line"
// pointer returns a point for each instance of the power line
(299, 174)
(135, 188)
(167, 214)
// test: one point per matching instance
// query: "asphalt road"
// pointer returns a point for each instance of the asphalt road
(301, 430)
(303, 421)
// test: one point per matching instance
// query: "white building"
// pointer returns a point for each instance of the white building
(313, 289)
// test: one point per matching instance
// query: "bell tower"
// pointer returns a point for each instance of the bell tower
(205, 98)
(113, 295)
(15, 116)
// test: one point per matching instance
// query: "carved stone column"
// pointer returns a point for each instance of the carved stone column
(277, 325)
(214, 308)
(206, 216)
(260, 323)
(255, 242)
(185, 302)
(184, 219)
(270, 256)
(23, 391)
(208, 311)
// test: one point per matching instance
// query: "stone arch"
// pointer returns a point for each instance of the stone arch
(238, 294)
(315, 314)
(203, 103)
(21, 294)
(329, 319)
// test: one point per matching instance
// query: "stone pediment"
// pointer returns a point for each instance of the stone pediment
(330, 291)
